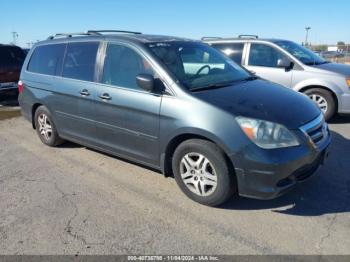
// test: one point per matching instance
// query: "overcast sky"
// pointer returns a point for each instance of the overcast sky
(37, 19)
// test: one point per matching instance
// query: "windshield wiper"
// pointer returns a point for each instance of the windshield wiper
(250, 78)
(317, 63)
(212, 86)
(223, 84)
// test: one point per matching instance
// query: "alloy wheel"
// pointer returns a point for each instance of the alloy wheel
(45, 127)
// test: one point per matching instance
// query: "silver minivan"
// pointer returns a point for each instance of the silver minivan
(291, 65)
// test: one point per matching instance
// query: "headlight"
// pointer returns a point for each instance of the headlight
(267, 134)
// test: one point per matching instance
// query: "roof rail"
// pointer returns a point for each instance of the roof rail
(248, 36)
(210, 37)
(70, 35)
(113, 31)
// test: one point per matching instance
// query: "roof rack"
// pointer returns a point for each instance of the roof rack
(210, 37)
(91, 32)
(99, 32)
(70, 34)
(248, 36)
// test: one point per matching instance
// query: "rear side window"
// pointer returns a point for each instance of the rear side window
(11, 56)
(232, 50)
(47, 59)
(80, 59)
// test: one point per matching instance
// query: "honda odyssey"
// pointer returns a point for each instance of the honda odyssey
(176, 105)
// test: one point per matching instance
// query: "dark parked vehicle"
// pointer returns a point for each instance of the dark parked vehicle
(176, 105)
(332, 54)
(26, 50)
(11, 60)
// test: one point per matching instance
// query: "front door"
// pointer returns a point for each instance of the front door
(262, 60)
(127, 117)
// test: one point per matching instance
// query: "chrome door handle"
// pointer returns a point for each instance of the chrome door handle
(84, 92)
(105, 96)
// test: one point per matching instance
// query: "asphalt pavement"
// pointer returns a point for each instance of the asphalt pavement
(74, 200)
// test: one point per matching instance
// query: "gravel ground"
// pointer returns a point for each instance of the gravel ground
(74, 200)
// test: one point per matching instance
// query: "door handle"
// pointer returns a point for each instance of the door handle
(105, 96)
(84, 92)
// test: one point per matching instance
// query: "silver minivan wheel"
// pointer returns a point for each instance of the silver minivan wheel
(325, 101)
(198, 174)
(320, 101)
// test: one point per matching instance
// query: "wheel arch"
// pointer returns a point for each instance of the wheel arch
(34, 108)
(305, 88)
(176, 141)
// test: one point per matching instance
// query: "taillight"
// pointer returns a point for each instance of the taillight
(20, 86)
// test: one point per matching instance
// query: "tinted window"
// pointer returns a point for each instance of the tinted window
(305, 55)
(47, 59)
(79, 62)
(232, 50)
(264, 55)
(11, 56)
(122, 65)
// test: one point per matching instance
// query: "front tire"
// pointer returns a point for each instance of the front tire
(46, 128)
(324, 100)
(202, 172)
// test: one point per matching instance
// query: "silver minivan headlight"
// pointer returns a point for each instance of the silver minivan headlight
(267, 134)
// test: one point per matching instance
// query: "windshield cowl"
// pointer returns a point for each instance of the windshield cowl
(224, 84)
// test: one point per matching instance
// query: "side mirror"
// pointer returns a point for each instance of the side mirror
(284, 63)
(145, 82)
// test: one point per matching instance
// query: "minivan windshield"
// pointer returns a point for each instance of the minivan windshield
(198, 66)
(306, 56)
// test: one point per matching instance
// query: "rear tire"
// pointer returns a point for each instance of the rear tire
(45, 127)
(202, 172)
(324, 100)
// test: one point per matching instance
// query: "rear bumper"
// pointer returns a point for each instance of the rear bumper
(270, 174)
(8, 86)
(25, 108)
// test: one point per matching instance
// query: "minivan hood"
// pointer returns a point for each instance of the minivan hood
(263, 100)
(336, 68)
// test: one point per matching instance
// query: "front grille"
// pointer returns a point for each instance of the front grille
(316, 130)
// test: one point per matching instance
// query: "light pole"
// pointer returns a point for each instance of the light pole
(14, 37)
(307, 35)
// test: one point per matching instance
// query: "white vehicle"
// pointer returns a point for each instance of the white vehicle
(293, 66)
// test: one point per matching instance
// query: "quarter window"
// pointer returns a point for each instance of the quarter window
(80, 60)
(264, 55)
(47, 59)
(122, 65)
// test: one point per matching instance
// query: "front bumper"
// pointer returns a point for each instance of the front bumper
(267, 174)
(344, 103)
